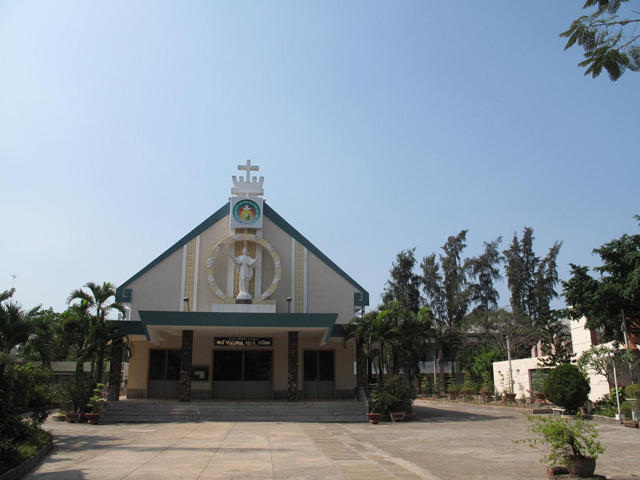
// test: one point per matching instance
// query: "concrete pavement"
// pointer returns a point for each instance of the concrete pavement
(445, 442)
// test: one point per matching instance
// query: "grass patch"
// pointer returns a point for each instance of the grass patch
(14, 452)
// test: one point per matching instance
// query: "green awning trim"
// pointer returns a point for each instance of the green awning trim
(294, 321)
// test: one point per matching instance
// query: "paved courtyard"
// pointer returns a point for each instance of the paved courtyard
(445, 442)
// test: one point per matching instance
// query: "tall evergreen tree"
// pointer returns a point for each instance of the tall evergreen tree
(485, 271)
(446, 288)
(404, 284)
(532, 282)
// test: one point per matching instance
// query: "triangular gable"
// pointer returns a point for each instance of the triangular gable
(362, 299)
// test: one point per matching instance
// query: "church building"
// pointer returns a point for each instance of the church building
(242, 307)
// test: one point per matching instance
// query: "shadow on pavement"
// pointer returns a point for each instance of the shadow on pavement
(431, 414)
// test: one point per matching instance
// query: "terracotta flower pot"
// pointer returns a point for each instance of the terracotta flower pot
(73, 417)
(92, 418)
(397, 417)
(373, 418)
(581, 467)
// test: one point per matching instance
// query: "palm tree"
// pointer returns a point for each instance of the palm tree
(361, 329)
(383, 333)
(411, 334)
(17, 327)
(99, 302)
(75, 334)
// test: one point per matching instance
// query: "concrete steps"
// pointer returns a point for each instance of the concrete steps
(129, 411)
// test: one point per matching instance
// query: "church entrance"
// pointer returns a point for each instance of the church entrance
(164, 373)
(242, 374)
(318, 374)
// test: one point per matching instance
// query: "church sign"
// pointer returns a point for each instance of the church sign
(242, 342)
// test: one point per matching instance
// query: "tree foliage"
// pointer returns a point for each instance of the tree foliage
(567, 387)
(505, 330)
(597, 360)
(484, 271)
(96, 305)
(393, 339)
(532, 282)
(404, 284)
(17, 328)
(446, 288)
(615, 294)
(608, 41)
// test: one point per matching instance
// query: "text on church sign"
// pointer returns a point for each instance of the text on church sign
(242, 342)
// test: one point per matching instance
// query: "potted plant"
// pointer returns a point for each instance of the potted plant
(424, 385)
(452, 388)
(59, 417)
(507, 390)
(469, 387)
(73, 394)
(95, 405)
(373, 405)
(487, 385)
(392, 396)
(436, 387)
(573, 444)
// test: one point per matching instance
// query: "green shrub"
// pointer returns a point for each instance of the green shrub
(633, 391)
(567, 387)
(20, 438)
(74, 393)
(487, 382)
(469, 385)
(424, 384)
(392, 395)
(31, 388)
(607, 406)
(452, 386)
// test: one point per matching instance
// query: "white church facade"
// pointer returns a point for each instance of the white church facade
(243, 306)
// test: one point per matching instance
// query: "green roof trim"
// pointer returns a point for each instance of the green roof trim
(361, 298)
(124, 294)
(219, 319)
(272, 215)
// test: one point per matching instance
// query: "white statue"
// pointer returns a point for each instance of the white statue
(244, 265)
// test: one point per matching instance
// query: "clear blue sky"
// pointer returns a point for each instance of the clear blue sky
(378, 126)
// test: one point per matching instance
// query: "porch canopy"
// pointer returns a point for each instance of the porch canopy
(160, 325)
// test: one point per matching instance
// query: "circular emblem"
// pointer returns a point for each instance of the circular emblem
(246, 212)
(228, 243)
